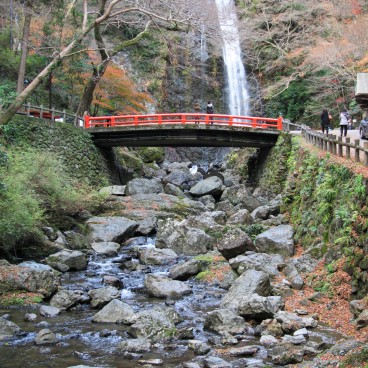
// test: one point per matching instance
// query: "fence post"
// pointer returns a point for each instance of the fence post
(28, 109)
(365, 153)
(86, 122)
(339, 146)
(356, 145)
(279, 122)
(347, 140)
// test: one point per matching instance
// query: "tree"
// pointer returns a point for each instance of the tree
(172, 14)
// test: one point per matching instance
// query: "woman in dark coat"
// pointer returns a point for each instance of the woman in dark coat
(325, 121)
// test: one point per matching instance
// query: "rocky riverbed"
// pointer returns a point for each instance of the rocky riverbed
(178, 271)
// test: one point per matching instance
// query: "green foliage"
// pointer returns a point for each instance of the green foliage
(290, 103)
(7, 94)
(254, 230)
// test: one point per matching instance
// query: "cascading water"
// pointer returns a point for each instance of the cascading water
(238, 96)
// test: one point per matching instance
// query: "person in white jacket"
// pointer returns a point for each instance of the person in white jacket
(344, 121)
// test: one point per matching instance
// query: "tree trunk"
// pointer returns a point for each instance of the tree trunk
(24, 49)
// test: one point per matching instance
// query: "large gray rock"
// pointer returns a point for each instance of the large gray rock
(106, 248)
(216, 362)
(173, 190)
(268, 263)
(234, 243)
(178, 178)
(154, 256)
(65, 299)
(212, 185)
(68, 260)
(293, 276)
(250, 282)
(102, 296)
(241, 217)
(143, 186)
(45, 337)
(278, 240)
(76, 241)
(135, 345)
(164, 287)
(155, 324)
(185, 270)
(259, 307)
(116, 190)
(176, 235)
(225, 321)
(285, 354)
(205, 221)
(147, 225)
(49, 311)
(28, 276)
(199, 347)
(240, 195)
(290, 322)
(8, 329)
(111, 229)
(115, 312)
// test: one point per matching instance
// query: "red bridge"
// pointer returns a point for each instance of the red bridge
(184, 129)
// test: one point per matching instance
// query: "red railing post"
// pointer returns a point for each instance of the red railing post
(231, 119)
(279, 123)
(182, 119)
(254, 123)
(87, 123)
(207, 119)
(113, 121)
(135, 120)
(159, 119)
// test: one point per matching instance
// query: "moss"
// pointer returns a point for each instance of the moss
(151, 154)
(20, 299)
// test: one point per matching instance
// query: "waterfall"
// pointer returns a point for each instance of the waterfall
(238, 97)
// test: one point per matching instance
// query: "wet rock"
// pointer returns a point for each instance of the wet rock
(176, 235)
(30, 317)
(250, 282)
(106, 248)
(198, 347)
(268, 263)
(224, 321)
(135, 345)
(147, 226)
(155, 324)
(115, 190)
(49, 311)
(115, 312)
(112, 281)
(8, 329)
(65, 299)
(68, 260)
(164, 287)
(215, 362)
(154, 256)
(110, 229)
(234, 243)
(143, 186)
(244, 350)
(151, 362)
(45, 337)
(294, 340)
(28, 276)
(192, 365)
(185, 270)
(276, 240)
(210, 186)
(102, 296)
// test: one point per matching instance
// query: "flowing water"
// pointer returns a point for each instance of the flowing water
(237, 92)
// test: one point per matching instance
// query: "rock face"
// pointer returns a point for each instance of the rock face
(278, 240)
(234, 243)
(143, 186)
(28, 276)
(111, 229)
(210, 186)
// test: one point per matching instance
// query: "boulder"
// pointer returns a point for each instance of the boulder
(68, 260)
(106, 248)
(185, 270)
(135, 345)
(178, 178)
(208, 201)
(143, 186)
(164, 287)
(154, 256)
(234, 243)
(111, 229)
(293, 276)
(45, 337)
(284, 354)
(102, 296)
(290, 322)
(173, 190)
(225, 321)
(241, 217)
(362, 319)
(259, 307)
(49, 311)
(76, 241)
(278, 240)
(115, 312)
(210, 186)
(216, 362)
(65, 299)
(181, 238)
(261, 213)
(199, 347)
(147, 225)
(116, 190)
(240, 195)
(8, 329)
(204, 221)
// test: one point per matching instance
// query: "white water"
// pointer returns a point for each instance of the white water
(238, 96)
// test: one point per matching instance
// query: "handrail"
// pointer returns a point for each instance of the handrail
(52, 114)
(182, 118)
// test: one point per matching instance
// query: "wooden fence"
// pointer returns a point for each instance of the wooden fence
(52, 114)
(341, 146)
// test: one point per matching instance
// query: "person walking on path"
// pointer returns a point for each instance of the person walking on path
(325, 121)
(197, 109)
(210, 110)
(344, 121)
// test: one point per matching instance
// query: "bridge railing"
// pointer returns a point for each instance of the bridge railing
(182, 118)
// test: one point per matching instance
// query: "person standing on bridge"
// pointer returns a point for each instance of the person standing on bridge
(325, 121)
(210, 110)
(344, 121)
